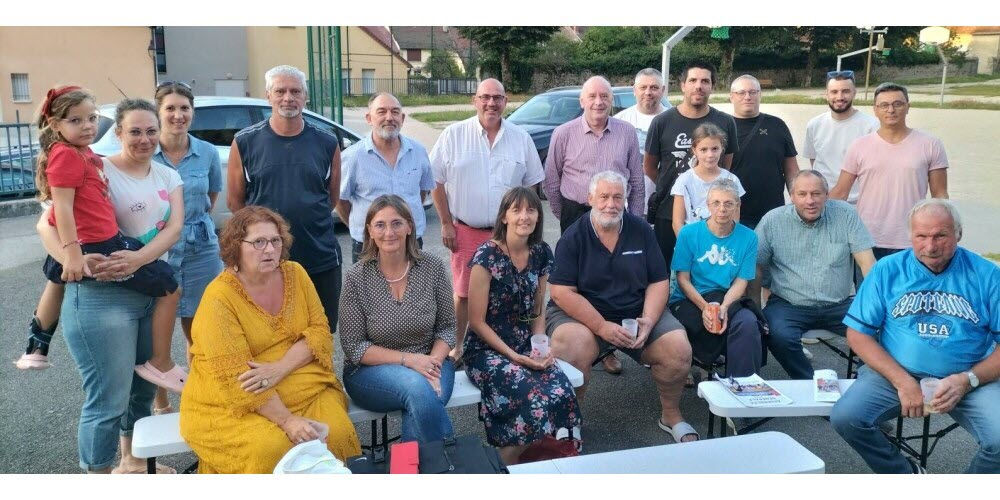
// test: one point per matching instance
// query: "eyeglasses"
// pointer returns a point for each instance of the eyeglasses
(380, 227)
(261, 243)
(167, 84)
(884, 106)
(848, 74)
(485, 99)
(729, 205)
(743, 93)
(77, 121)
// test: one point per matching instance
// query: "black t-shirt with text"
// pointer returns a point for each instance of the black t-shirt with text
(669, 139)
(760, 164)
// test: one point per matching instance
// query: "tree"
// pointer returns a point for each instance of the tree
(440, 64)
(813, 38)
(502, 41)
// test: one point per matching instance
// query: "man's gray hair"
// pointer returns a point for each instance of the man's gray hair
(812, 173)
(609, 176)
(380, 94)
(752, 78)
(284, 70)
(655, 73)
(939, 205)
(726, 186)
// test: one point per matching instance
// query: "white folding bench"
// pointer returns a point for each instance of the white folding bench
(160, 435)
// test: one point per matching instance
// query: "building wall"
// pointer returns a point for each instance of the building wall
(987, 49)
(367, 53)
(270, 46)
(200, 55)
(86, 56)
(425, 54)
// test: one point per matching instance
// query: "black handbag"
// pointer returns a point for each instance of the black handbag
(461, 455)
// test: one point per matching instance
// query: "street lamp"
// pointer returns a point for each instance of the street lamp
(871, 41)
(938, 36)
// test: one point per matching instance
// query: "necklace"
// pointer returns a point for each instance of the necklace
(405, 272)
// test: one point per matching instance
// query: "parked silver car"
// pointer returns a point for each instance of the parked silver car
(217, 120)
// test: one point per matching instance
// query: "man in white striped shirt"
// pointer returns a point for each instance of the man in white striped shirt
(475, 162)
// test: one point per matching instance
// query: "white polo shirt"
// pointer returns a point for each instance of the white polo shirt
(475, 175)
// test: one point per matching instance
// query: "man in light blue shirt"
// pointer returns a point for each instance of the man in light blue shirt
(385, 162)
(932, 310)
(808, 250)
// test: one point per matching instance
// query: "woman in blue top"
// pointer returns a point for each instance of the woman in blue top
(714, 260)
(195, 258)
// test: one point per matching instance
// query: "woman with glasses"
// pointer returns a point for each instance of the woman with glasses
(397, 325)
(715, 259)
(524, 397)
(262, 377)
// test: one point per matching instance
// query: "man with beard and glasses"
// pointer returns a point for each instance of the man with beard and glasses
(293, 167)
(475, 162)
(608, 268)
(648, 90)
(385, 162)
(829, 134)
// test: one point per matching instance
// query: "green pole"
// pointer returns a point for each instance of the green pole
(392, 59)
(338, 83)
(312, 71)
(322, 83)
(334, 74)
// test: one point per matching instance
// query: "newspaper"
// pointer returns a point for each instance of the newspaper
(753, 391)
(826, 386)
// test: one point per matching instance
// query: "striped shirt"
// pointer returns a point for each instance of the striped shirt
(576, 153)
(475, 175)
(811, 265)
(366, 175)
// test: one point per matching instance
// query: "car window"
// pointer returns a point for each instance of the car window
(548, 110)
(103, 125)
(346, 138)
(218, 125)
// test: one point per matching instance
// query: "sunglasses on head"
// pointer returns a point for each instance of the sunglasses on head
(848, 74)
(179, 84)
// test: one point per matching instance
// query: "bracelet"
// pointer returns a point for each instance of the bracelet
(402, 359)
(74, 242)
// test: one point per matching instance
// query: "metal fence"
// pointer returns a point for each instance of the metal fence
(18, 147)
(409, 86)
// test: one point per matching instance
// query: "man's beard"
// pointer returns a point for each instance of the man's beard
(607, 223)
(847, 107)
(387, 135)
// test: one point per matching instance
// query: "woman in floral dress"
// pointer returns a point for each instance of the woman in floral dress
(524, 398)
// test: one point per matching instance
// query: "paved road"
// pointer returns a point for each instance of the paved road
(39, 410)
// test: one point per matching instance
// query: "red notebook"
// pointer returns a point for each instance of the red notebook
(404, 458)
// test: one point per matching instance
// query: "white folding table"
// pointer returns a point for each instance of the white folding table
(722, 404)
(760, 453)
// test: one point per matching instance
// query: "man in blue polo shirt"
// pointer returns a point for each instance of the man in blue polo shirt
(936, 310)
(385, 162)
(608, 267)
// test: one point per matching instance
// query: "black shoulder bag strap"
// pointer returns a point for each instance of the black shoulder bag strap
(739, 155)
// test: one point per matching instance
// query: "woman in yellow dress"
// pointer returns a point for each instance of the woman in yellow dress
(261, 377)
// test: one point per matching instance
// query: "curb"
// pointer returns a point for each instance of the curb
(19, 208)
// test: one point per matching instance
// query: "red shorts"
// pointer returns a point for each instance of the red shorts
(467, 241)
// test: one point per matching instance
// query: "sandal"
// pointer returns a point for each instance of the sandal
(160, 469)
(32, 362)
(163, 411)
(171, 380)
(576, 438)
(679, 430)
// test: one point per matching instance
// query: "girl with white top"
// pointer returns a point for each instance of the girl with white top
(708, 145)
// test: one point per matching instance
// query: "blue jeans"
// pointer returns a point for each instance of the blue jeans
(108, 330)
(788, 322)
(873, 399)
(388, 388)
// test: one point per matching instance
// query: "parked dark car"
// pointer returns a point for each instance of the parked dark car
(17, 170)
(546, 111)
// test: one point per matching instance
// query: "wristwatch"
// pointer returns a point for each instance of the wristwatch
(973, 379)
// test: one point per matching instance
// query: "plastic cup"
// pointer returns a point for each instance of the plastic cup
(928, 386)
(632, 326)
(539, 346)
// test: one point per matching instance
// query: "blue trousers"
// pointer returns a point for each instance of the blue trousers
(388, 388)
(873, 400)
(788, 322)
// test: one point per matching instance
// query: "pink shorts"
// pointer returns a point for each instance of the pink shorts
(467, 241)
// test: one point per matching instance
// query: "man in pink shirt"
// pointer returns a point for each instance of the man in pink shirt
(894, 167)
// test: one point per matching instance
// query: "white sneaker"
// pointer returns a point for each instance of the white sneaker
(808, 354)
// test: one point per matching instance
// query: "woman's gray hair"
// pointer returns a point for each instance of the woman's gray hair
(726, 186)
(284, 70)
(608, 176)
(939, 205)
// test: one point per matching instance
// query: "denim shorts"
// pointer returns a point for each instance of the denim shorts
(155, 279)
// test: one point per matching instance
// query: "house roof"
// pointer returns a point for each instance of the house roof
(419, 37)
(381, 35)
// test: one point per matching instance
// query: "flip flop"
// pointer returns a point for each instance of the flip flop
(160, 469)
(163, 411)
(32, 362)
(171, 380)
(679, 430)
